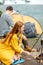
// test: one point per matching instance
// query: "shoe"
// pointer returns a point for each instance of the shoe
(28, 48)
(37, 58)
(18, 61)
(33, 50)
(40, 57)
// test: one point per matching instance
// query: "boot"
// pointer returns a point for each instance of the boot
(28, 48)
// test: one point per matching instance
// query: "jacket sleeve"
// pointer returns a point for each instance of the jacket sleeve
(9, 20)
(15, 46)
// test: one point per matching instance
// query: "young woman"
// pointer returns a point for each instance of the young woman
(11, 46)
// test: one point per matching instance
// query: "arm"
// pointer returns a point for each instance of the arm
(15, 46)
(25, 52)
(9, 20)
(24, 38)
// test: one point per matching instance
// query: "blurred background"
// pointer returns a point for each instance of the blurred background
(32, 8)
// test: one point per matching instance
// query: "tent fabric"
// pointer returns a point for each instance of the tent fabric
(18, 17)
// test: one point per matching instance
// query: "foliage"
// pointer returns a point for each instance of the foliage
(0, 13)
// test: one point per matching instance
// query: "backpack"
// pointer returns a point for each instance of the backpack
(29, 30)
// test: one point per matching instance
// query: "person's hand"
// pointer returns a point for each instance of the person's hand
(27, 52)
(15, 57)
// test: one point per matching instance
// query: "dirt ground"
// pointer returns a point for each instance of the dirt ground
(29, 60)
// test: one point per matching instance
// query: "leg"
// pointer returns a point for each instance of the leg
(26, 45)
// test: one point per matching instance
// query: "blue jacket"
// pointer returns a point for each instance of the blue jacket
(5, 23)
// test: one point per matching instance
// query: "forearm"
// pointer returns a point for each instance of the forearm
(24, 38)
(25, 52)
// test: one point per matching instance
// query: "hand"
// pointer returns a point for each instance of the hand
(27, 52)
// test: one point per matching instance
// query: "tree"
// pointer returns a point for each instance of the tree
(2, 2)
(0, 13)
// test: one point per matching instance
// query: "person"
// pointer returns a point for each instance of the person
(25, 39)
(10, 47)
(6, 22)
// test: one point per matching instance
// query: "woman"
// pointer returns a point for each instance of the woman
(11, 46)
